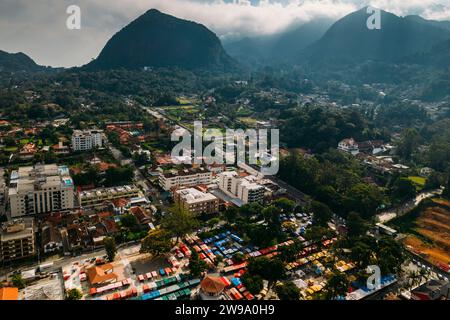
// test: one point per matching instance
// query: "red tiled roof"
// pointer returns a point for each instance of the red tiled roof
(121, 202)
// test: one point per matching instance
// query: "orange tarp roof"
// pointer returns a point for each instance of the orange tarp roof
(212, 285)
(98, 274)
(9, 294)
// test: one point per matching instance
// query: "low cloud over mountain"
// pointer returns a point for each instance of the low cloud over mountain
(38, 27)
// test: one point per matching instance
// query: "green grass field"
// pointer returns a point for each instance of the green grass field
(418, 181)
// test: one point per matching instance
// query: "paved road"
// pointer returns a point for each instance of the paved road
(59, 262)
(408, 206)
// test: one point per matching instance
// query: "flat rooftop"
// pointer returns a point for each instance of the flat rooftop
(192, 195)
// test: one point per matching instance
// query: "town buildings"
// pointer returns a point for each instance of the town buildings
(17, 239)
(196, 202)
(370, 147)
(432, 290)
(99, 197)
(349, 145)
(87, 140)
(51, 238)
(185, 178)
(40, 189)
(2, 186)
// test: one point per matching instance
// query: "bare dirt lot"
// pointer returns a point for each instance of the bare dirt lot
(433, 224)
(433, 253)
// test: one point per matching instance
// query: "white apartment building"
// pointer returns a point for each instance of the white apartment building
(98, 197)
(40, 189)
(87, 139)
(349, 145)
(185, 178)
(244, 188)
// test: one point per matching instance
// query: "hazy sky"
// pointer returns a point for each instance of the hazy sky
(38, 27)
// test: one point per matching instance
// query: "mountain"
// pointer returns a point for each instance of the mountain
(438, 56)
(350, 41)
(292, 42)
(16, 62)
(440, 24)
(156, 39)
(280, 47)
(254, 51)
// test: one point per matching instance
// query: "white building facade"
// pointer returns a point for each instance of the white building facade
(246, 189)
(87, 140)
(40, 189)
(185, 178)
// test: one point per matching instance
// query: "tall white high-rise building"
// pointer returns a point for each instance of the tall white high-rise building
(87, 139)
(40, 189)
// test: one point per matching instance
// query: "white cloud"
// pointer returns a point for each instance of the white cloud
(38, 27)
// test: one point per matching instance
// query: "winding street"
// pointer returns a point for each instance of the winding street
(406, 207)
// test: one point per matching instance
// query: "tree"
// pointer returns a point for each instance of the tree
(409, 143)
(196, 266)
(390, 255)
(259, 235)
(74, 294)
(179, 222)
(434, 181)
(361, 254)
(251, 209)
(270, 269)
(290, 253)
(90, 176)
(119, 176)
(18, 281)
(364, 198)
(316, 234)
(231, 214)
(48, 135)
(213, 222)
(130, 222)
(285, 205)
(356, 226)
(271, 215)
(253, 283)
(157, 242)
(238, 257)
(403, 189)
(110, 247)
(288, 291)
(322, 213)
(9, 141)
(336, 286)
(446, 192)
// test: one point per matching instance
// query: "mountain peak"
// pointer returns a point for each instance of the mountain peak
(349, 39)
(13, 62)
(156, 39)
(153, 11)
